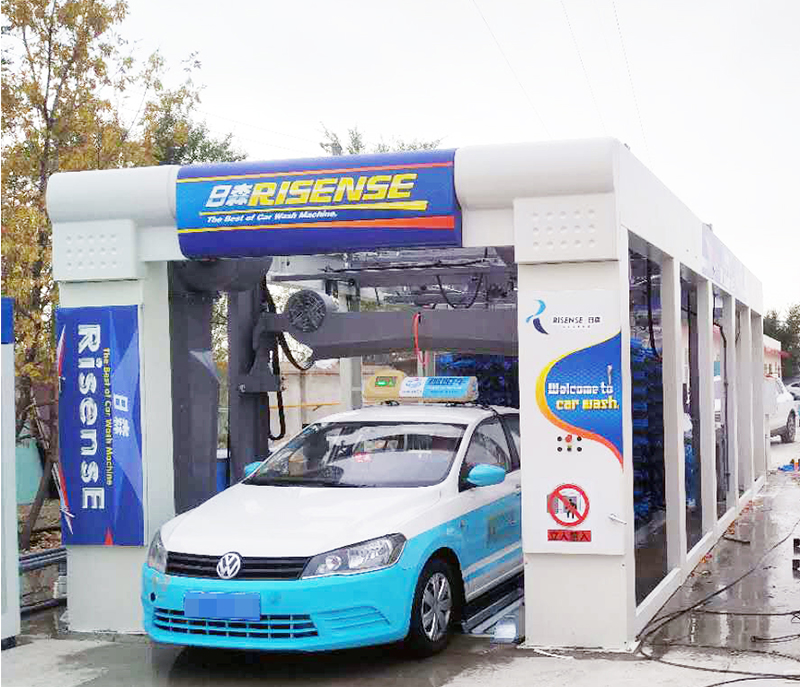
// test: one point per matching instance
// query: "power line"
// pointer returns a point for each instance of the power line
(511, 69)
(583, 66)
(630, 80)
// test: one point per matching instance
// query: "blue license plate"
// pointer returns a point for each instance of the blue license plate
(222, 606)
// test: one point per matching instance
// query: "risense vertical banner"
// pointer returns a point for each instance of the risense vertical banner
(572, 392)
(318, 205)
(100, 430)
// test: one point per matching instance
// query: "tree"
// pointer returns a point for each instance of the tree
(67, 84)
(791, 341)
(356, 144)
(73, 98)
(787, 331)
(174, 138)
(61, 64)
(772, 324)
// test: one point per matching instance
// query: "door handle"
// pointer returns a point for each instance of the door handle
(614, 518)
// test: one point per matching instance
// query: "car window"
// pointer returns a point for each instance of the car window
(364, 454)
(512, 424)
(488, 446)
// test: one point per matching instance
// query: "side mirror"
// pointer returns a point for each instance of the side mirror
(250, 468)
(486, 475)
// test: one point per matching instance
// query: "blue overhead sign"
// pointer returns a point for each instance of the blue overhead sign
(318, 205)
(7, 320)
(100, 430)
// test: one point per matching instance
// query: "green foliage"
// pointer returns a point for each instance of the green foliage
(787, 331)
(356, 145)
(67, 77)
(175, 139)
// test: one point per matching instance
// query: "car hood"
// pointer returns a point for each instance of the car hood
(294, 521)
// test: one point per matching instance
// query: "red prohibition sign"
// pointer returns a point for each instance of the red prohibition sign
(576, 511)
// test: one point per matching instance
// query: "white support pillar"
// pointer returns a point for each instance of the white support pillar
(10, 551)
(744, 406)
(104, 581)
(563, 578)
(672, 379)
(757, 378)
(705, 352)
(731, 395)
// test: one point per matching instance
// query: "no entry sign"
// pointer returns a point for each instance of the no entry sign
(568, 505)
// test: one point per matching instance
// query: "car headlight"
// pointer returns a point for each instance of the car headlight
(369, 555)
(157, 555)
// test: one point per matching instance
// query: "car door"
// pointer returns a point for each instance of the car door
(493, 538)
(511, 423)
(777, 420)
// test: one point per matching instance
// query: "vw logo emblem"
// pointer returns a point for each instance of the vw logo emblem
(229, 566)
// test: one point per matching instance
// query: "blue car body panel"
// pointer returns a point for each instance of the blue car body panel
(338, 611)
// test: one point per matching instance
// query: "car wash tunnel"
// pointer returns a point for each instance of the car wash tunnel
(621, 338)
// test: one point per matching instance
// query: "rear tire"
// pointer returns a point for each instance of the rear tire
(433, 612)
(790, 432)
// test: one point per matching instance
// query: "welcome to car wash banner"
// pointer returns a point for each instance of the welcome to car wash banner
(100, 432)
(572, 398)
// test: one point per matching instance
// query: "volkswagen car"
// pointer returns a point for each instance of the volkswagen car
(372, 526)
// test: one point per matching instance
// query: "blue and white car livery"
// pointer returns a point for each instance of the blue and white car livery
(369, 527)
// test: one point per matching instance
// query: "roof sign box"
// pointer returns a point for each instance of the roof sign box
(439, 389)
(318, 205)
(395, 386)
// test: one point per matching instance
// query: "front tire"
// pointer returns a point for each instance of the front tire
(433, 611)
(789, 433)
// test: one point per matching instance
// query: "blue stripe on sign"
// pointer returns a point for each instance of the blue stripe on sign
(7, 320)
(486, 568)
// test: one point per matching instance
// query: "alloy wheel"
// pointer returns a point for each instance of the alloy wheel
(437, 604)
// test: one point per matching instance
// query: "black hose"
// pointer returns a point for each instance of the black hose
(459, 306)
(281, 338)
(650, 309)
(42, 559)
(41, 606)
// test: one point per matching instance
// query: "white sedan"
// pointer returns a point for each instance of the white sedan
(371, 526)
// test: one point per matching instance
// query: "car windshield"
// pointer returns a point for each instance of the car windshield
(363, 454)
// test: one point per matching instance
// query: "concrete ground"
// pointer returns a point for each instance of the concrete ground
(687, 652)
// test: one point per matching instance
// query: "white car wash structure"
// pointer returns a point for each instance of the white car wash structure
(634, 461)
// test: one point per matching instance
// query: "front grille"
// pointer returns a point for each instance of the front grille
(193, 565)
(348, 619)
(269, 627)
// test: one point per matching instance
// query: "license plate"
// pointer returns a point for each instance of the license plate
(222, 606)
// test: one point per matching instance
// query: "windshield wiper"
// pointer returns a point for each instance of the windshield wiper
(306, 483)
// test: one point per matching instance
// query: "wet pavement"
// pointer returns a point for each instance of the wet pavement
(762, 611)
(718, 638)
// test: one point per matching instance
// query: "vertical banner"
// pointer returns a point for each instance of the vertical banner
(574, 389)
(100, 433)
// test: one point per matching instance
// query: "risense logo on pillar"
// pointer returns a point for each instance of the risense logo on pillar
(576, 319)
(318, 205)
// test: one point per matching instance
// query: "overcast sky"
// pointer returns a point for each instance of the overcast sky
(708, 96)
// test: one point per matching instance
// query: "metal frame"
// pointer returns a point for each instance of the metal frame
(565, 213)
